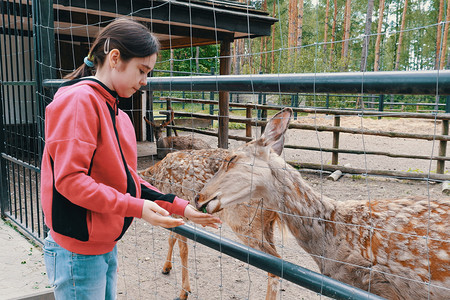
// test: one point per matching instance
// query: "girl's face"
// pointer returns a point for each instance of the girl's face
(127, 77)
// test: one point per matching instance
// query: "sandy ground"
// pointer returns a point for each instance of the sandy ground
(22, 265)
(142, 252)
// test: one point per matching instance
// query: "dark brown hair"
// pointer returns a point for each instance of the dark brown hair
(131, 38)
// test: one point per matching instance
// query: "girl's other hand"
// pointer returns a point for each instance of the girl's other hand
(158, 216)
(201, 218)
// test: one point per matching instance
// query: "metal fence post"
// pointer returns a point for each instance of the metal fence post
(211, 97)
(263, 113)
(3, 180)
(45, 61)
(259, 103)
(295, 105)
(380, 104)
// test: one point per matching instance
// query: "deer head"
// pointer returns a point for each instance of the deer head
(157, 129)
(243, 174)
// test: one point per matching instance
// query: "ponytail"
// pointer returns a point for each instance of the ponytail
(81, 71)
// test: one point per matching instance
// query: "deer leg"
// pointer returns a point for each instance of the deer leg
(184, 252)
(272, 287)
(168, 264)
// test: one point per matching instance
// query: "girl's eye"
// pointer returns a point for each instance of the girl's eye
(142, 72)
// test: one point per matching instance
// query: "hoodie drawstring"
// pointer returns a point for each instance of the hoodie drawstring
(116, 106)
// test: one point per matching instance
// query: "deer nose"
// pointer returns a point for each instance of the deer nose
(197, 197)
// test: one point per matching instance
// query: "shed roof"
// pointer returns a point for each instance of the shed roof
(177, 23)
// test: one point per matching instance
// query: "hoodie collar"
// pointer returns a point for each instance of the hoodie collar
(111, 97)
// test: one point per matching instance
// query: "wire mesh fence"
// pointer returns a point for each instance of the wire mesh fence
(345, 62)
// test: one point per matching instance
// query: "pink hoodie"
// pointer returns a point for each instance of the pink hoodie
(90, 188)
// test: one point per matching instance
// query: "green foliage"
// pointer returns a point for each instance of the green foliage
(314, 56)
(184, 59)
(417, 51)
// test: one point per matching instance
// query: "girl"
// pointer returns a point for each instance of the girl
(90, 188)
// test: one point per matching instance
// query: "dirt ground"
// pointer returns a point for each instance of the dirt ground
(216, 276)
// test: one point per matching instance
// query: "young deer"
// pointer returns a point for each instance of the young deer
(165, 145)
(395, 248)
(184, 173)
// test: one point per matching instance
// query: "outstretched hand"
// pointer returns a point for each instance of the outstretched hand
(201, 218)
(158, 216)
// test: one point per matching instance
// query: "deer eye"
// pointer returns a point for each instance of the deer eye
(230, 161)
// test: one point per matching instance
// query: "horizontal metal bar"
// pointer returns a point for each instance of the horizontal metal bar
(31, 83)
(417, 82)
(393, 82)
(311, 280)
(25, 230)
(20, 162)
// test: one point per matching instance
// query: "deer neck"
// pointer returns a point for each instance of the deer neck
(305, 212)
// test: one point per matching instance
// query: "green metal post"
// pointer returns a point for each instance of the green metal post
(211, 97)
(3, 171)
(380, 104)
(45, 66)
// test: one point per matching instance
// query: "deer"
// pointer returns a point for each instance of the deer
(165, 145)
(184, 173)
(395, 248)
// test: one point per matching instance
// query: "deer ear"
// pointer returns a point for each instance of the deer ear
(276, 127)
(278, 146)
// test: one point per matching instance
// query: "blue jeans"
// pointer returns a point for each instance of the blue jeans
(78, 276)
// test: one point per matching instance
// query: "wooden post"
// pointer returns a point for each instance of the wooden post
(335, 155)
(442, 149)
(224, 114)
(248, 126)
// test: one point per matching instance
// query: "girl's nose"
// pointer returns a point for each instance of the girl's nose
(143, 80)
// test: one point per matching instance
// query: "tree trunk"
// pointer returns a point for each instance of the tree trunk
(171, 62)
(273, 39)
(366, 35)
(325, 30)
(237, 51)
(347, 24)
(263, 44)
(438, 34)
(333, 31)
(300, 25)
(197, 60)
(376, 66)
(444, 42)
(400, 39)
(291, 27)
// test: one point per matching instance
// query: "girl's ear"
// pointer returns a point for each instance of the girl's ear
(113, 58)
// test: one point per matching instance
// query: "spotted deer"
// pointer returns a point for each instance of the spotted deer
(395, 248)
(165, 145)
(184, 173)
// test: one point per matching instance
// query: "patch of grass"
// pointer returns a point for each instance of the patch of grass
(10, 224)
(356, 177)
(414, 171)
